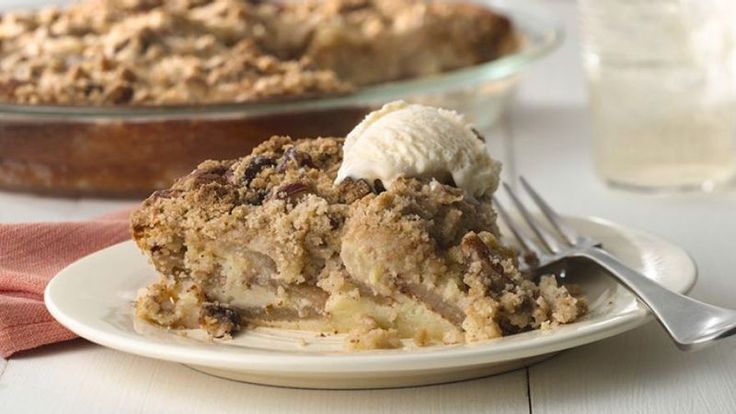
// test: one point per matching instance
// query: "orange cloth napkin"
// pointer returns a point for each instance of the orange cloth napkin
(30, 255)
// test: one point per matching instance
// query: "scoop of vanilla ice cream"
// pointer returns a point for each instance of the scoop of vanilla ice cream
(409, 140)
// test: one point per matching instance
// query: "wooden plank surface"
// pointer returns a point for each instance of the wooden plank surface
(637, 372)
(79, 377)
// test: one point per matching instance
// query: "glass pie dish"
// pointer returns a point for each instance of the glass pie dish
(131, 151)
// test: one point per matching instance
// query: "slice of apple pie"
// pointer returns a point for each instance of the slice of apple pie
(386, 235)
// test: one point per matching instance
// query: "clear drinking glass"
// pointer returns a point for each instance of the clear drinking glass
(662, 86)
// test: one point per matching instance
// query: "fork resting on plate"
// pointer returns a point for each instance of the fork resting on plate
(690, 323)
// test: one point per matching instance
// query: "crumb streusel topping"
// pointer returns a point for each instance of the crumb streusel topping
(155, 52)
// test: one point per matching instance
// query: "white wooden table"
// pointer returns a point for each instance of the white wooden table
(639, 371)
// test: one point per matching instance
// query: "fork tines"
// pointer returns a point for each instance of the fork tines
(544, 243)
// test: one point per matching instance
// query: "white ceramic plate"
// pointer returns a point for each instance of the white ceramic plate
(94, 298)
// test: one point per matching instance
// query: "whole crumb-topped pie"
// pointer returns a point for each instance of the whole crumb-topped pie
(154, 52)
(121, 97)
(301, 234)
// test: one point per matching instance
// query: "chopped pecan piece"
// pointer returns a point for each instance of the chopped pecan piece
(351, 190)
(204, 175)
(291, 191)
(219, 320)
(256, 165)
(301, 159)
(120, 94)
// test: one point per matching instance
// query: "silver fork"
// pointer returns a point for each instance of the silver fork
(690, 323)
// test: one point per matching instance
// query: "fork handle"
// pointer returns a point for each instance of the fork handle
(691, 324)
